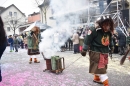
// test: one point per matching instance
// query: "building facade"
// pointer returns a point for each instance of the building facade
(90, 14)
(12, 18)
(46, 13)
(34, 17)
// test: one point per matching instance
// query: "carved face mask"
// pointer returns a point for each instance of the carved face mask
(106, 27)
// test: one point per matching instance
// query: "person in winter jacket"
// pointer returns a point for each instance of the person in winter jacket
(15, 40)
(122, 42)
(81, 40)
(10, 41)
(3, 42)
(75, 40)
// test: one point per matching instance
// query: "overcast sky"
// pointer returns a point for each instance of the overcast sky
(26, 6)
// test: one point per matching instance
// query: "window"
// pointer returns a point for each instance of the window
(8, 28)
(15, 13)
(10, 13)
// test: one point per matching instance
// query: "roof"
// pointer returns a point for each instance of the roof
(9, 7)
(38, 24)
(34, 13)
(1, 9)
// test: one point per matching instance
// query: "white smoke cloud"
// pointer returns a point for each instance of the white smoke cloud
(65, 12)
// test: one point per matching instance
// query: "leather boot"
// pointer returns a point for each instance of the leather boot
(30, 61)
(97, 79)
(105, 83)
(36, 61)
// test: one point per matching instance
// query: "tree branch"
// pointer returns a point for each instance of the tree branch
(8, 22)
(13, 22)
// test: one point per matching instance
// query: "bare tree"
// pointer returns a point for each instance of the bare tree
(44, 7)
(14, 22)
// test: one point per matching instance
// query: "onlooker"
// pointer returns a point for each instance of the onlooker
(19, 41)
(22, 44)
(122, 42)
(75, 40)
(22, 35)
(81, 40)
(25, 43)
(10, 41)
(115, 42)
(66, 45)
(3, 42)
(62, 48)
(15, 43)
(70, 44)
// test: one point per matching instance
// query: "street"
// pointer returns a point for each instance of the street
(16, 71)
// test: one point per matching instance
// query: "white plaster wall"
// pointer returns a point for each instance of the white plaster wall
(5, 15)
(50, 22)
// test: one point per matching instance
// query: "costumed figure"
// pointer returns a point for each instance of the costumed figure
(97, 42)
(33, 43)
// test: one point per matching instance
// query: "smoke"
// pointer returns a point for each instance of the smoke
(66, 14)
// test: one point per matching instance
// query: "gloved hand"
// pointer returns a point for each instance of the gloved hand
(83, 53)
